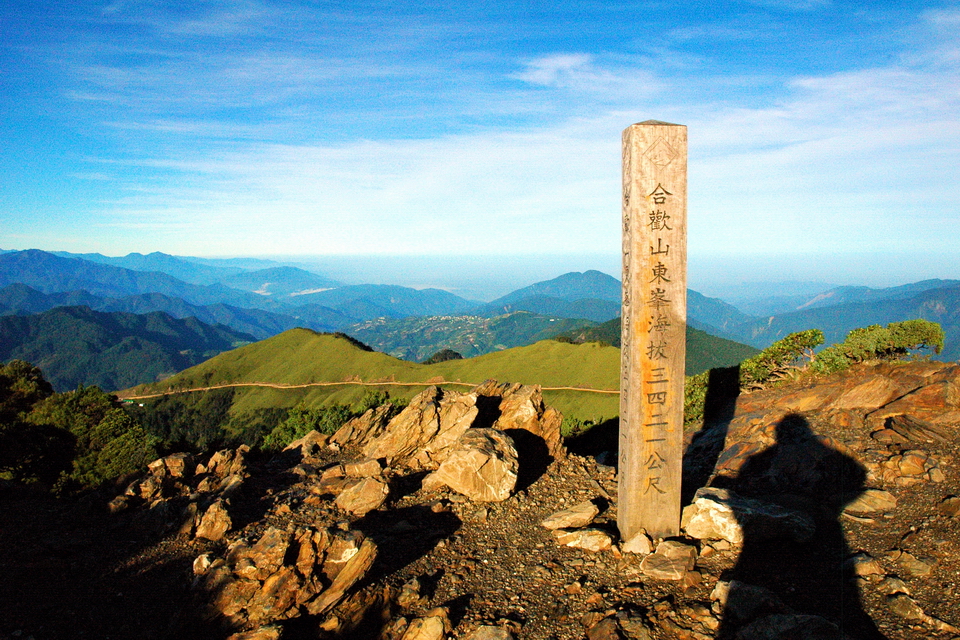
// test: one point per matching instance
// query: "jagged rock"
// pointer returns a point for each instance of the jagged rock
(483, 466)
(359, 431)
(419, 436)
(284, 573)
(722, 514)
(671, 560)
(215, 522)
(346, 564)
(579, 515)
(435, 625)
(587, 539)
(522, 407)
(606, 629)
(310, 444)
(907, 428)
(793, 626)
(937, 403)
(871, 501)
(226, 462)
(268, 553)
(363, 495)
(422, 436)
(906, 607)
(410, 595)
(863, 564)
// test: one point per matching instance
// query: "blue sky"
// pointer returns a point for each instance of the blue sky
(824, 135)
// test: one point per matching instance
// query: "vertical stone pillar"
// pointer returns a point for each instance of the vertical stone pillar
(654, 318)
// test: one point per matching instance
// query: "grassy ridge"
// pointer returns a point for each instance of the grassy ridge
(301, 357)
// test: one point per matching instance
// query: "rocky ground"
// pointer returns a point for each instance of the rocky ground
(822, 509)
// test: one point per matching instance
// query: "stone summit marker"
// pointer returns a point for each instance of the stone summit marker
(654, 320)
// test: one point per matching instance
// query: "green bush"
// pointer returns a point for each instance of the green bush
(301, 421)
(894, 341)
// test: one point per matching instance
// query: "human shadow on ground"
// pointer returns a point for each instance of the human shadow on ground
(809, 577)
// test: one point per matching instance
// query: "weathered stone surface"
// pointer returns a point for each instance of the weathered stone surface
(579, 515)
(423, 435)
(266, 632)
(588, 539)
(722, 514)
(361, 430)
(793, 626)
(606, 629)
(871, 393)
(226, 462)
(671, 560)
(906, 607)
(914, 567)
(872, 501)
(419, 436)
(366, 468)
(950, 506)
(352, 564)
(284, 572)
(910, 429)
(363, 496)
(215, 522)
(938, 403)
(490, 632)
(483, 466)
(268, 552)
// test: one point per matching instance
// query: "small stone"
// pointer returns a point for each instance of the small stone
(914, 567)
(892, 585)
(573, 518)
(950, 506)
(863, 564)
(490, 632)
(671, 561)
(639, 544)
(588, 539)
(904, 606)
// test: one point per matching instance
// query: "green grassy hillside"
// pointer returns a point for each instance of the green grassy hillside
(581, 380)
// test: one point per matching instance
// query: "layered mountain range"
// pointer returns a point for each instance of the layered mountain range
(247, 299)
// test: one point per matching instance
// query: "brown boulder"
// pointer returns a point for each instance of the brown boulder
(483, 466)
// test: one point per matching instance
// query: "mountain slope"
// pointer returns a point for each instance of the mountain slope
(368, 301)
(279, 281)
(940, 305)
(52, 274)
(570, 286)
(76, 345)
(20, 299)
